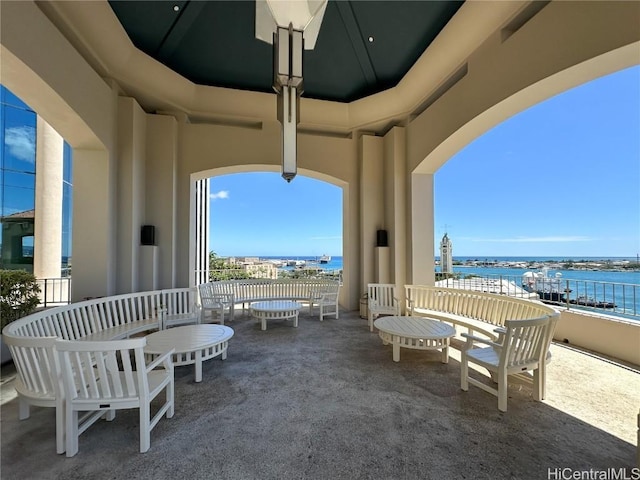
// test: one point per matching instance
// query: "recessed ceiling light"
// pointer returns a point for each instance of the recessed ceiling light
(176, 8)
(371, 39)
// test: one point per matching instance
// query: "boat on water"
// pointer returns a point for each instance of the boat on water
(591, 302)
(550, 289)
(324, 259)
(296, 263)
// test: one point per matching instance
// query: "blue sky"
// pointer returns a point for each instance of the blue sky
(261, 214)
(559, 179)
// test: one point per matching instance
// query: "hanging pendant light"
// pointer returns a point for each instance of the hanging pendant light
(291, 26)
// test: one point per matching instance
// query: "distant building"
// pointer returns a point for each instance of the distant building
(261, 270)
(446, 255)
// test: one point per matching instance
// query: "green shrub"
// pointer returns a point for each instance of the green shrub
(18, 295)
(446, 275)
(227, 274)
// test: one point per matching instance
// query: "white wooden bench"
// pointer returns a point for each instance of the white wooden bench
(481, 313)
(257, 290)
(31, 339)
(478, 312)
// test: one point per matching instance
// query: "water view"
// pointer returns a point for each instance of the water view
(609, 285)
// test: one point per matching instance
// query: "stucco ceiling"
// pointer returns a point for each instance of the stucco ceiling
(213, 43)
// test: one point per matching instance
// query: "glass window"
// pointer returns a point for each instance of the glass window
(18, 193)
(67, 163)
(67, 208)
(9, 98)
(19, 146)
(27, 246)
(17, 181)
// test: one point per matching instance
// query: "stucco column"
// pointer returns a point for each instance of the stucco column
(371, 203)
(162, 196)
(395, 204)
(131, 192)
(94, 259)
(422, 243)
(47, 240)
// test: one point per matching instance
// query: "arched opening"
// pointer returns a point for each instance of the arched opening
(474, 127)
(558, 179)
(259, 225)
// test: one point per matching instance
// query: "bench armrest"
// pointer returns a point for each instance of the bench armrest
(217, 300)
(410, 303)
(473, 338)
(163, 358)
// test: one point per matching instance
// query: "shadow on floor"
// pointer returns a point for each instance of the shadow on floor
(324, 400)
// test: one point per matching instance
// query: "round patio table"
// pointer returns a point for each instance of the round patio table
(275, 309)
(418, 333)
(193, 344)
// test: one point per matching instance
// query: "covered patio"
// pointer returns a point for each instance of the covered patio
(145, 131)
(326, 400)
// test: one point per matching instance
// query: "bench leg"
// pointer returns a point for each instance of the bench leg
(396, 348)
(445, 352)
(23, 409)
(198, 365)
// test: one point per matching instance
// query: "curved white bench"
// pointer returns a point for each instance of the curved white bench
(233, 292)
(31, 339)
(479, 312)
(483, 313)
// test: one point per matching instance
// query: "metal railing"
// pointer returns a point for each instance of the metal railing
(54, 291)
(620, 299)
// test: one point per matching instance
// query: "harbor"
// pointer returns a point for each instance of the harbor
(605, 285)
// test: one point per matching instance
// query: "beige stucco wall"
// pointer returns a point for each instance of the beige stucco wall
(548, 55)
(371, 158)
(209, 150)
(53, 78)
(131, 188)
(78, 61)
(611, 336)
(163, 134)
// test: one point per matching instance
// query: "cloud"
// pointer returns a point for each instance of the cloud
(551, 239)
(21, 142)
(222, 194)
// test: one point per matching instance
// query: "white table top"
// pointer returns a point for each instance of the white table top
(275, 306)
(414, 327)
(187, 338)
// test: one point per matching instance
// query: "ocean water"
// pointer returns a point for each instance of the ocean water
(583, 282)
(593, 275)
(334, 264)
(582, 275)
(538, 259)
(620, 287)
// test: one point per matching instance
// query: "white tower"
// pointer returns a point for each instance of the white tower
(446, 255)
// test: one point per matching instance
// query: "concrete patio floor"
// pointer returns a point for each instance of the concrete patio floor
(326, 401)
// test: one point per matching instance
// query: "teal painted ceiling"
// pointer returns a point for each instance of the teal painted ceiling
(213, 43)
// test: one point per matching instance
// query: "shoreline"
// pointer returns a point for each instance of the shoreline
(624, 266)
